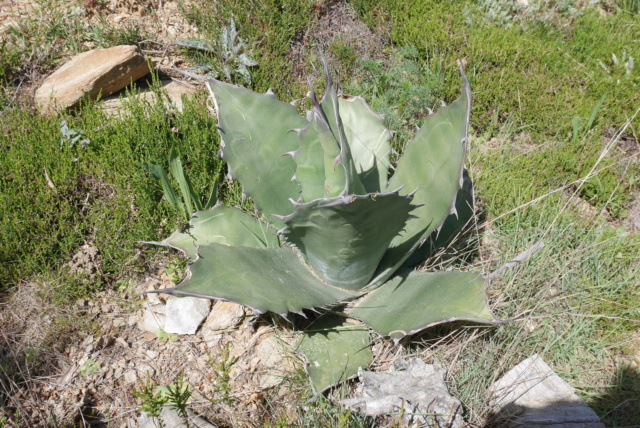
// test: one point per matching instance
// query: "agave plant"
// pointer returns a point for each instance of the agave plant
(335, 232)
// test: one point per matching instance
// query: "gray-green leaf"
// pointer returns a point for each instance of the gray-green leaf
(409, 303)
(265, 279)
(334, 350)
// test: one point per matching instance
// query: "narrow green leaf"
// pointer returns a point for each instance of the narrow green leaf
(213, 198)
(334, 350)
(175, 166)
(594, 112)
(409, 303)
(196, 44)
(576, 130)
(169, 192)
(265, 279)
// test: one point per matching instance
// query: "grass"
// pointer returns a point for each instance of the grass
(98, 193)
(533, 73)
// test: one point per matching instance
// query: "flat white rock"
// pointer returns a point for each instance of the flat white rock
(532, 395)
(175, 91)
(185, 314)
(152, 318)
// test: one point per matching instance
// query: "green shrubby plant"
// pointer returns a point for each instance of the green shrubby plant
(231, 52)
(334, 227)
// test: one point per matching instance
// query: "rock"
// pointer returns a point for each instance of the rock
(175, 91)
(224, 315)
(153, 317)
(130, 376)
(185, 314)
(532, 395)
(271, 361)
(146, 421)
(100, 72)
(415, 390)
(170, 418)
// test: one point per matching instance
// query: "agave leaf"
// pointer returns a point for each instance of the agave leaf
(452, 226)
(223, 225)
(344, 238)
(369, 141)
(431, 166)
(334, 350)
(407, 304)
(330, 109)
(265, 279)
(255, 133)
(315, 158)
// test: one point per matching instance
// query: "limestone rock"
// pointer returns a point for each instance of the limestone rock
(271, 362)
(531, 395)
(175, 92)
(224, 315)
(185, 314)
(152, 318)
(97, 72)
(415, 390)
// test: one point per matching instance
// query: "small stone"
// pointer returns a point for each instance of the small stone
(171, 418)
(120, 341)
(185, 314)
(130, 376)
(132, 320)
(224, 315)
(143, 368)
(99, 72)
(530, 326)
(146, 421)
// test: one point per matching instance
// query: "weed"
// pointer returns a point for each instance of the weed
(72, 136)
(175, 269)
(98, 193)
(222, 372)
(176, 395)
(190, 200)
(154, 397)
(163, 335)
(402, 89)
(89, 368)
(268, 26)
(153, 400)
